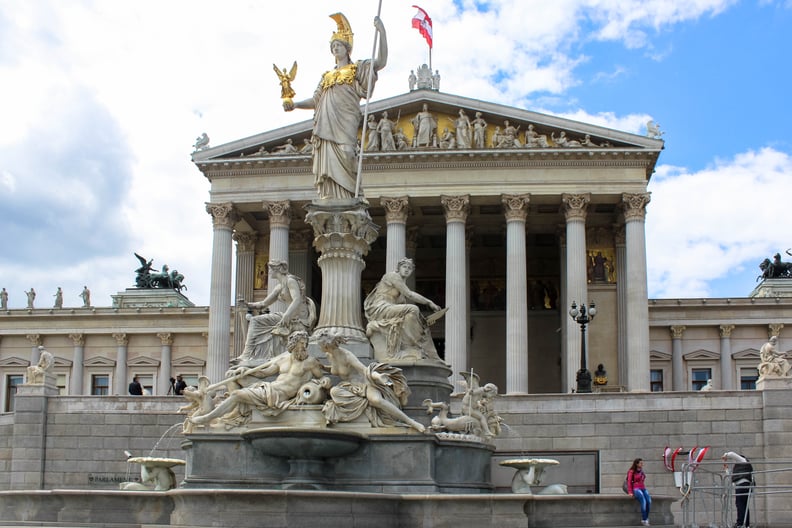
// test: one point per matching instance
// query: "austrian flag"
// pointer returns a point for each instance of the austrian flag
(423, 23)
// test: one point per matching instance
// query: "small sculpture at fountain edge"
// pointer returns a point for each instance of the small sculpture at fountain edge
(477, 413)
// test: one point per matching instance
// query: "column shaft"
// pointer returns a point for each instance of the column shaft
(76, 380)
(245, 270)
(727, 370)
(677, 363)
(516, 295)
(575, 209)
(637, 292)
(621, 305)
(224, 217)
(280, 221)
(456, 332)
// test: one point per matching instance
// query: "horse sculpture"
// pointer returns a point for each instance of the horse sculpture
(776, 268)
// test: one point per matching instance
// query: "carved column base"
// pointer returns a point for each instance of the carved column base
(343, 233)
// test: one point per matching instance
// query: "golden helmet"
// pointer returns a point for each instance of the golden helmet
(344, 33)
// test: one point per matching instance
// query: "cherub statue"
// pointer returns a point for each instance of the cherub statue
(201, 142)
(286, 78)
(478, 403)
(653, 130)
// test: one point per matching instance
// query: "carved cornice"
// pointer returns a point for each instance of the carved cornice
(726, 330)
(456, 208)
(515, 206)
(35, 339)
(396, 209)
(223, 215)
(166, 338)
(280, 213)
(575, 206)
(634, 205)
(246, 241)
(677, 331)
(77, 339)
(774, 329)
(121, 339)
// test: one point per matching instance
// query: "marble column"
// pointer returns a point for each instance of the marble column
(300, 241)
(566, 322)
(245, 269)
(413, 235)
(727, 370)
(575, 208)
(396, 211)
(166, 359)
(343, 234)
(280, 219)
(76, 380)
(224, 216)
(456, 210)
(677, 363)
(516, 211)
(121, 382)
(35, 343)
(621, 303)
(634, 207)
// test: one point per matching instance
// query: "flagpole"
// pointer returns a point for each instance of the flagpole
(365, 107)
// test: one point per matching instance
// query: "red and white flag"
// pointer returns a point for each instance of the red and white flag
(423, 23)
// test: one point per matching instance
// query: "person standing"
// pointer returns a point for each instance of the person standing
(636, 487)
(179, 386)
(742, 478)
(135, 389)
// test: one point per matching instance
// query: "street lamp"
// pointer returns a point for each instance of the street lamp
(583, 316)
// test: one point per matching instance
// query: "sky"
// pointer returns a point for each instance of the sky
(101, 102)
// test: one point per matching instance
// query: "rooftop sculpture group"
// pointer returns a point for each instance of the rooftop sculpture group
(776, 268)
(147, 278)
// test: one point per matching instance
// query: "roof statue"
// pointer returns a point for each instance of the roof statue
(653, 130)
(201, 142)
(336, 105)
(776, 268)
(147, 278)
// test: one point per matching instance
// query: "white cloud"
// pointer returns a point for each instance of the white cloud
(697, 231)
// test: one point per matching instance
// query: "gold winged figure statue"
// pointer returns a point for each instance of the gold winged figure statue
(286, 78)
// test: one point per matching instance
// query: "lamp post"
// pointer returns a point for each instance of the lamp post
(583, 316)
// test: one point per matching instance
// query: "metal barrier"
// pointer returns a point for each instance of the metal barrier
(709, 495)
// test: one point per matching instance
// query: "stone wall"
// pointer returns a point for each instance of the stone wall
(596, 436)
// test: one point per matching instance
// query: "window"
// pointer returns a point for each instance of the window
(100, 385)
(748, 377)
(147, 382)
(656, 380)
(699, 378)
(62, 383)
(12, 382)
(190, 379)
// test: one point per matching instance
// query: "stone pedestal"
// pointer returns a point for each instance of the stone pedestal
(343, 233)
(768, 383)
(150, 298)
(773, 288)
(427, 380)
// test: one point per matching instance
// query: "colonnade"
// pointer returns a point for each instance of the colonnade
(630, 252)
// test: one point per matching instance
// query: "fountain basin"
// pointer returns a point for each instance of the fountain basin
(529, 472)
(303, 443)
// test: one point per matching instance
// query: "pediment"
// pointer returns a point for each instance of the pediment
(748, 353)
(188, 361)
(701, 354)
(99, 362)
(656, 355)
(143, 361)
(14, 362)
(582, 138)
(62, 362)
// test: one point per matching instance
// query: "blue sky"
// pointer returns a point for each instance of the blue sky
(101, 101)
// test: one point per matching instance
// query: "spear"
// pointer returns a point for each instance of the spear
(365, 107)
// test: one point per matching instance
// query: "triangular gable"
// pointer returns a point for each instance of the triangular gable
(188, 361)
(701, 354)
(14, 362)
(143, 361)
(656, 355)
(445, 108)
(62, 362)
(748, 353)
(99, 362)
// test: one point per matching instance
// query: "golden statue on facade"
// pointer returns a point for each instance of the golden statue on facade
(286, 78)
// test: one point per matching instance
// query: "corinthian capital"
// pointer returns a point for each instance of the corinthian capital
(575, 206)
(396, 209)
(677, 331)
(77, 339)
(223, 215)
(279, 213)
(726, 330)
(456, 208)
(515, 206)
(634, 205)
(121, 339)
(246, 241)
(166, 338)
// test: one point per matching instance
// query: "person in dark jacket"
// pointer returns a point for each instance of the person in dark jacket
(742, 478)
(180, 385)
(135, 389)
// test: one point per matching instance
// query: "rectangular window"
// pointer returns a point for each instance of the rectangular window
(100, 385)
(61, 381)
(699, 378)
(12, 382)
(190, 379)
(656, 380)
(147, 382)
(748, 377)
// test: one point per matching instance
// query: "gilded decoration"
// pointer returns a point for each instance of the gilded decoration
(601, 265)
(260, 272)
